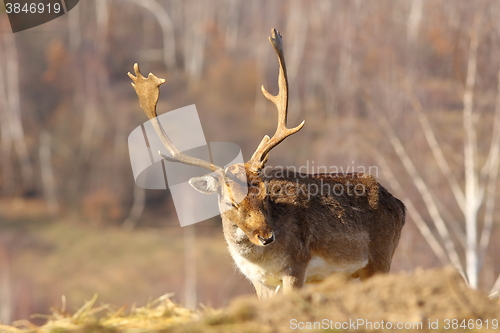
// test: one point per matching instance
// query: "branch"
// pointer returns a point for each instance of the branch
(424, 192)
(167, 28)
(437, 152)
(494, 152)
(413, 211)
(496, 286)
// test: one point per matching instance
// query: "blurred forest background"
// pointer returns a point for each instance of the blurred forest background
(411, 87)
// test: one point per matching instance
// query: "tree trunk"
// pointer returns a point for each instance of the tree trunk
(48, 181)
(471, 180)
(14, 109)
(137, 208)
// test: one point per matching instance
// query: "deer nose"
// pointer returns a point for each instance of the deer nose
(267, 241)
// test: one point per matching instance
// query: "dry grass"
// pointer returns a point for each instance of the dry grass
(419, 297)
(156, 316)
(68, 258)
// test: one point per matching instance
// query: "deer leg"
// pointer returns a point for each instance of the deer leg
(293, 282)
(263, 291)
(370, 270)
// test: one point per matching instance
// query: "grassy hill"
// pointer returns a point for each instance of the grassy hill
(424, 300)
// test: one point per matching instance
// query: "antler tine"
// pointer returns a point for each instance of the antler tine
(148, 91)
(259, 158)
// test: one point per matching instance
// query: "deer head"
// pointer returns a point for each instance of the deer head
(242, 194)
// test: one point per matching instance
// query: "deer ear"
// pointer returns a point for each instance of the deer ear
(205, 184)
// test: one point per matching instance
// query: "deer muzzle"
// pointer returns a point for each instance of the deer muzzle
(266, 240)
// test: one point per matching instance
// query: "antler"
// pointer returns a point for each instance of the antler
(148, 91)
(259, 158)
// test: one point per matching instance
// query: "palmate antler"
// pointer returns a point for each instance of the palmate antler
(259, 158)
(148, 91)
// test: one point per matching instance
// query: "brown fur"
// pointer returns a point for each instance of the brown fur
(340, 228)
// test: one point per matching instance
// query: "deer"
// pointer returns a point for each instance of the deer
(291, 228)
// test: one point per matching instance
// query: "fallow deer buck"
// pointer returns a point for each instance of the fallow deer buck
(284, 234)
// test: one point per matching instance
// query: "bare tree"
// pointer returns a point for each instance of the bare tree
(190, 294)
(414, 19)
(6, 135)
(11, 93)
(137, 208)
(74, 29)
(232, 24)
(166, 26)
(48, 180)
(297, 29)
(479, 181)
(5, 285)
(195, 37)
